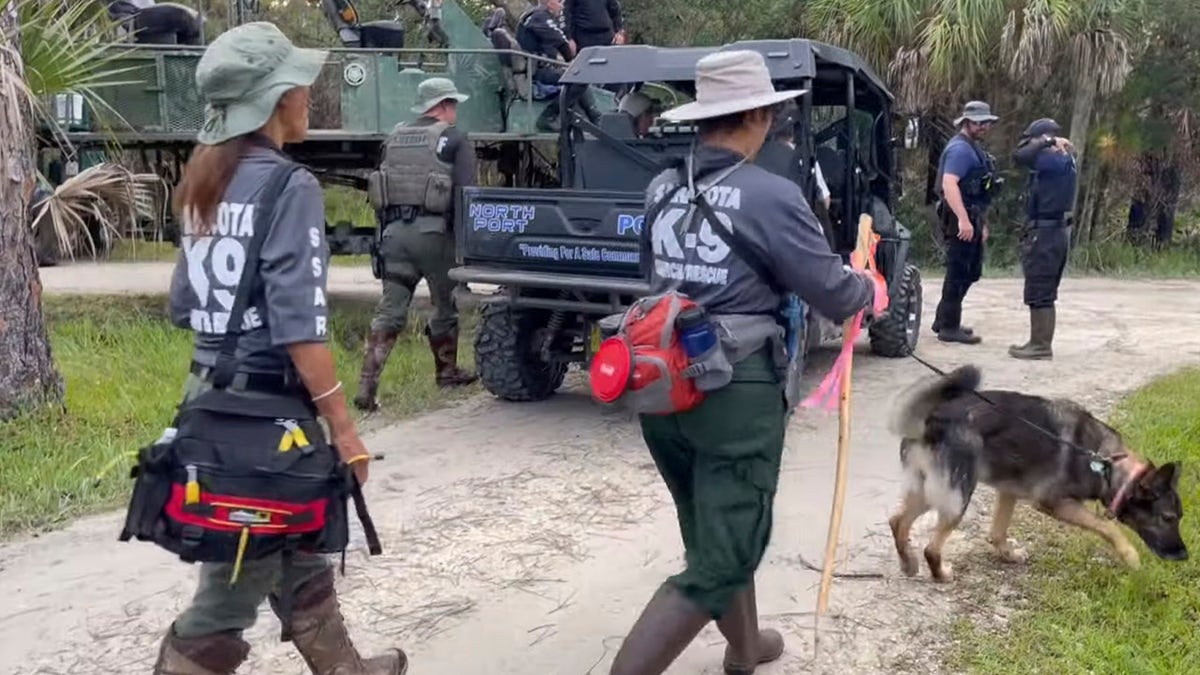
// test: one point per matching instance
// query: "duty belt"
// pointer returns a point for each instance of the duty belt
(264, 383)
(404, 213)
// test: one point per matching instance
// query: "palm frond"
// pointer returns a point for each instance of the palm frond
(67, 49)
(107, 196)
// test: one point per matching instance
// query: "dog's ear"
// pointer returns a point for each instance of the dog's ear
(1160, 479)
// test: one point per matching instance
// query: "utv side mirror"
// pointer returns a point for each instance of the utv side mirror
(912, 133)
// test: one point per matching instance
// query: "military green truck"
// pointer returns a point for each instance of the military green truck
(359, 98)
(566, 258)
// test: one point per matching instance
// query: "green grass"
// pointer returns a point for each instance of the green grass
(1083, 614)
(124, 365)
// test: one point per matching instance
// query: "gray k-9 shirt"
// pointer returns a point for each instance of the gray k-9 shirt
(772, 216)
(289, 306)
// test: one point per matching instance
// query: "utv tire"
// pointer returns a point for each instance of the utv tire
(895, 334)
(506, 357)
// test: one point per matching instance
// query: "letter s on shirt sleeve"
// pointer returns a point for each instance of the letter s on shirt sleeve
(801, 260)
(295, 260)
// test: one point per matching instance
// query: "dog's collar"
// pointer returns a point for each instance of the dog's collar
(1118, 500)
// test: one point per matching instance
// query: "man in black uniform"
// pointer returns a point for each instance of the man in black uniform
(539, 33)
(594, 22)
(965, 184)
(1047, 236)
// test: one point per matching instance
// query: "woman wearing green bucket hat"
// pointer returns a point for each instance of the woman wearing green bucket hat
(255, 84)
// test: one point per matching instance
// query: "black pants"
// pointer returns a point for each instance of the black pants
(166, 25)
(593, 39)
(964, 266)
(1044, 248)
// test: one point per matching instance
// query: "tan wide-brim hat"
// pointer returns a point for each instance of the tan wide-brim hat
(730, 82)
(435, 90)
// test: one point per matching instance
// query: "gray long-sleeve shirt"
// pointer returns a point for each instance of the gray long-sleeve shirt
(780, 229)
(289, 305)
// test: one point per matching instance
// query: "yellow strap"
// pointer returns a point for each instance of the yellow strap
(286, 442)
(300, 438)
(237, 563)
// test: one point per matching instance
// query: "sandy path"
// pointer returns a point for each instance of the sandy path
(155, 277)
(524, 539)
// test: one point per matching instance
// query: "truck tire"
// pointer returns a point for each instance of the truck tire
(895, 334)
(506, 357)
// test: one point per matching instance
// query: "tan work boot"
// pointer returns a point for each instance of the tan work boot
(445, 360)
(666, 626)
(375, 353)
(216, 654)
(319, 633)
(1041, 335)
(748, 646)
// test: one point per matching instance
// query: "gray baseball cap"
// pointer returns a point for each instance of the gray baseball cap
(435, 90)
(976, 111)
(243, 73)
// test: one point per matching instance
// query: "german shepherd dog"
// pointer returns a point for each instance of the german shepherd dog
(953, 439)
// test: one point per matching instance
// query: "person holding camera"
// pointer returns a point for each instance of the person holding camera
(966, 182)
(1047, 235)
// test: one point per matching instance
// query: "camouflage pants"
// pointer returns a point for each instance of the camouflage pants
(722, 478)
(218, 606)
(411, 252)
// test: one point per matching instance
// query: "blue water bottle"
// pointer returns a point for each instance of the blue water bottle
(695, 332)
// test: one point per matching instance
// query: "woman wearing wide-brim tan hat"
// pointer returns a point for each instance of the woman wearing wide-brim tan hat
(720, 460)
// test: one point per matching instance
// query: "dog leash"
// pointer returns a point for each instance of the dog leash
(1107, 461)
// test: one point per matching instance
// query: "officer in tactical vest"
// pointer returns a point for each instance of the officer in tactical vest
(423, 165)
(1047, 237)
(966, 183)
(723, 476)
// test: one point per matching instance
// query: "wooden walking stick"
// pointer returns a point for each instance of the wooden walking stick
(861, 258)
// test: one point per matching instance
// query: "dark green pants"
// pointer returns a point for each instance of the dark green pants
(412, 252)
(219, 606)
(721, 463)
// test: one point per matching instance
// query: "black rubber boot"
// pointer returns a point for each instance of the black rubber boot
(217, 654)
(748, 646)
(1041, 336)
(666, 627)
(375, 353)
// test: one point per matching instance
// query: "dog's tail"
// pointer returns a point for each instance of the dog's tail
(914, 405)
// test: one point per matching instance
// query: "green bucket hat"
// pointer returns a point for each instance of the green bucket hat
(435, 90)
(242, 75)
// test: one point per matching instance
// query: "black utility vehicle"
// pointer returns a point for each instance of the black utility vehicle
(567, 257)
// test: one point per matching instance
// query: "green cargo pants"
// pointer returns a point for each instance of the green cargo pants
(411, 252)
(219, 606)
(721, 463)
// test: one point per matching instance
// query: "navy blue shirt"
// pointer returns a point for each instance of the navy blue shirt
(1051, 187)
(966, 160)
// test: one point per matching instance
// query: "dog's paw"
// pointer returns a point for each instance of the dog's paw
(1011, 553)
(909, 564)
(940, 570)
(1131, 559)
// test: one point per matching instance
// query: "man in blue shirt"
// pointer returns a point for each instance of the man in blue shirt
(965, 184)
(1049, 196)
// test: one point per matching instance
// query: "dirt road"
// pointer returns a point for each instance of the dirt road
(155, 277)
(524, 539)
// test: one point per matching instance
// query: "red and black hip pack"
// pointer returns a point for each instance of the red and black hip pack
(245, 474)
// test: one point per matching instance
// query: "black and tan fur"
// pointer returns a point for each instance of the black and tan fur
(953, 440)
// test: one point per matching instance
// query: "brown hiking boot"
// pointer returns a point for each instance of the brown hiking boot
(375, 353)
(216, 654)
(665, 628)
(319, 633)
(748, 646)
(445, 360)
(1041, 335)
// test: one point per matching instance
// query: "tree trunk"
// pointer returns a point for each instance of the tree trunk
(1081, 117)
(27, 374)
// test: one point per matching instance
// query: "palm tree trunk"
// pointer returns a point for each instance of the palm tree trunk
(27, 374)
(1081, 117)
